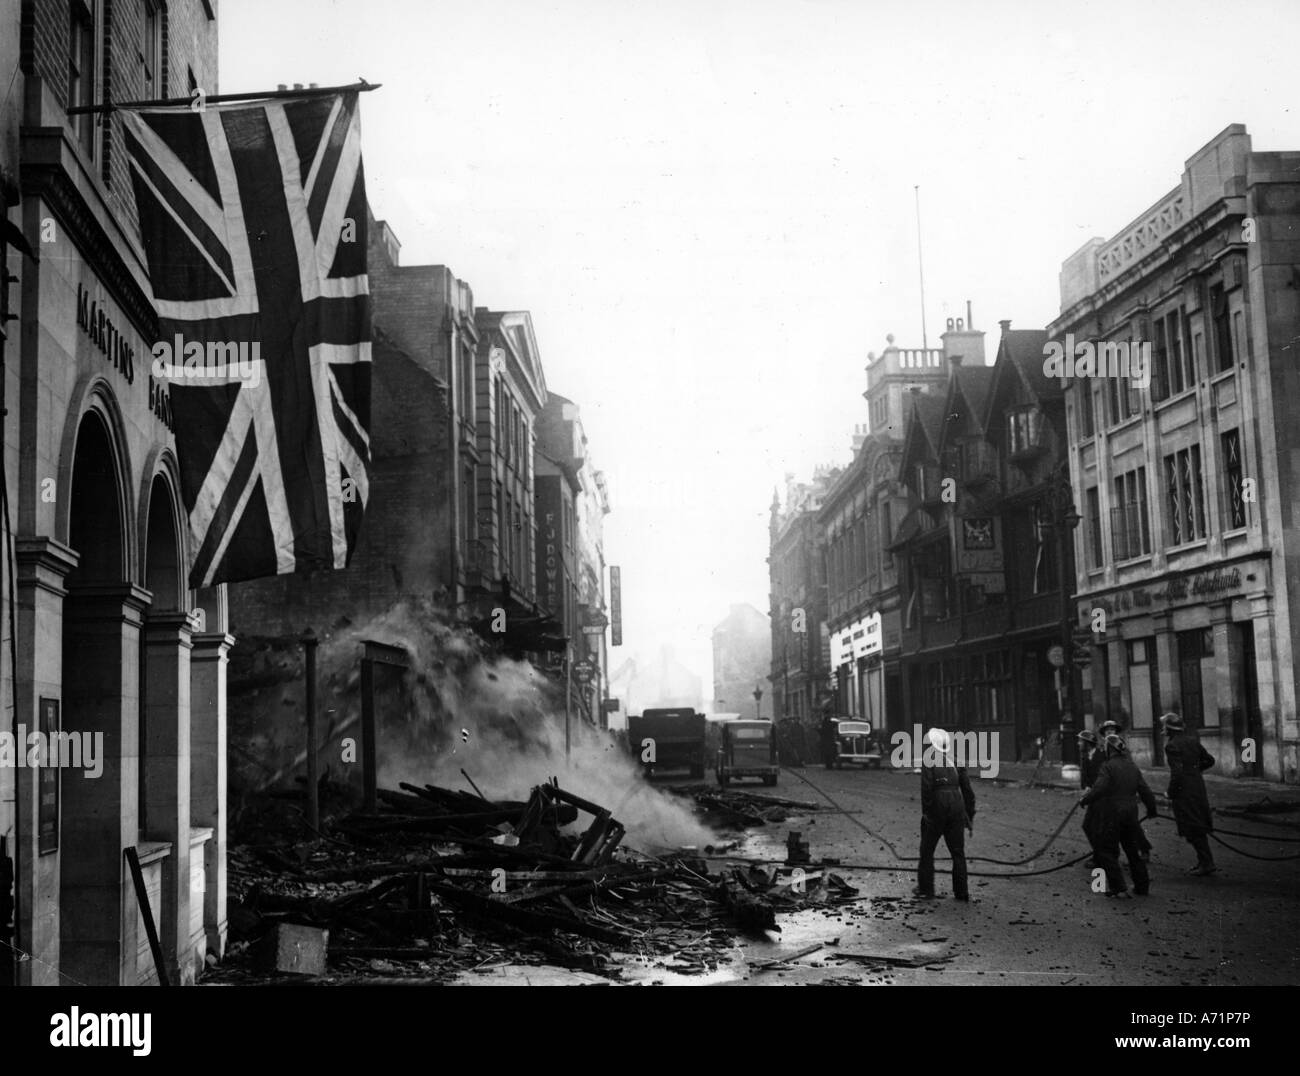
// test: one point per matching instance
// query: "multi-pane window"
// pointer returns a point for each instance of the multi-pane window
(1234, 500)
(518, 544)
(1129, 525)
(509, 534)
(990, 677)
(468, 523)
(81, 71)
(466, 369)
(1045, 575)
(1092, 505)
(502, 526)
(1172, 356)
(886, 535)
(1185, 495)
(1123, 397)
(1223, 349)
(153, 50)
(500, 402)
(1087, 425)
(879, 413)
(1023, 426)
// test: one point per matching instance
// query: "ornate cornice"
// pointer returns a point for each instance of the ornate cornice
(45, 173)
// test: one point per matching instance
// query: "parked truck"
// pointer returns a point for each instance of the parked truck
(668, 738)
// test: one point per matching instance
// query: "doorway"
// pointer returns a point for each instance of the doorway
(1247, 720)
(99, 815)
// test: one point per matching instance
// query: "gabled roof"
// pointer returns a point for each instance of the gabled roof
(513, 331)
(924, 428)
(1020, 357)
(974, 383)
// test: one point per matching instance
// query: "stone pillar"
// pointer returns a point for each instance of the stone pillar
(1170, 689)
(1266, 678)
(1229, 698)
(208, 662)
(1120, 694)
(42, 565)
(165, 718)
(98, 911)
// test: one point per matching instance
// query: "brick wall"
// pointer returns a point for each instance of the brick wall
(402, 550)
(190, 41)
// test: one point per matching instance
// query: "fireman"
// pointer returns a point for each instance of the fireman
(1118, 782)
(1091, 757)
(947, 810)
(1112, 727)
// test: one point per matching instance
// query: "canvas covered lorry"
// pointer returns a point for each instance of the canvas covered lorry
(668, 738)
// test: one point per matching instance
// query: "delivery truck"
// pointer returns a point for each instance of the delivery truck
(668, 738)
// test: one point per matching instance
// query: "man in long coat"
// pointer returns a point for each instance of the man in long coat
(1118, 783)
(1187, 758)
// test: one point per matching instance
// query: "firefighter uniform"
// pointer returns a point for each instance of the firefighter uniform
(1093, 757)
(1112, 727)
(947, 810)
(1187, 758)
(1118, 782)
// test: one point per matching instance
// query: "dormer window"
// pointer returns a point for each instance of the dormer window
(1024, 432)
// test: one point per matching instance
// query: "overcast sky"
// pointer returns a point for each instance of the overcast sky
(708, 206)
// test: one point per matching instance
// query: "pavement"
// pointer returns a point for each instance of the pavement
(1240, 926)
(1234, 792)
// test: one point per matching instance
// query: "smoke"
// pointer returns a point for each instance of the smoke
(461, 706)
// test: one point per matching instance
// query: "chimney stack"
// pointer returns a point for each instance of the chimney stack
(970, 318)
(1006, 325)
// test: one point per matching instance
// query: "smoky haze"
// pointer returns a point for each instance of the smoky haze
(498, 719)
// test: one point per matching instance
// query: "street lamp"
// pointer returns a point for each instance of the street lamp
(1063, 519)
(758, 703)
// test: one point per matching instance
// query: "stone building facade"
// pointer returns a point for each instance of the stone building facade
(797, 574)
(858, 518)
(112, 646)
(1189, 540)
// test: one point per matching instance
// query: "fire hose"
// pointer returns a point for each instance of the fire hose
(1027, 859)
(978, 859)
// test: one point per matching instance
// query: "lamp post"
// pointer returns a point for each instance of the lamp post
(758, 703)
(1063, 519)
(309, 644)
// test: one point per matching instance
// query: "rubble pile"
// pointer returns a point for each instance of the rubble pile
(439, 882)
(740, 810)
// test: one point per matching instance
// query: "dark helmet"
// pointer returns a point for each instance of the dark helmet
(1107, 726)
(1115, 745)
(1088, 736)
(1172, 723)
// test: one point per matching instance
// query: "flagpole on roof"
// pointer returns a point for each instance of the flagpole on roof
(225, 98)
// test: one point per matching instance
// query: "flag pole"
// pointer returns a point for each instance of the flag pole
(224, 98)
(920, 264)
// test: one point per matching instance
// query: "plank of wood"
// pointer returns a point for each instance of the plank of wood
(789, 958)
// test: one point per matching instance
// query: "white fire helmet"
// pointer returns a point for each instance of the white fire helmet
(939, 740)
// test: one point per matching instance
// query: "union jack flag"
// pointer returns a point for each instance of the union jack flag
(253, 220)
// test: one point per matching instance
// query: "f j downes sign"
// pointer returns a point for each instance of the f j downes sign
(860, 639)
(615, 606)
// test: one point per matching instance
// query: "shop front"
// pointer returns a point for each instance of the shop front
(1198, 643)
